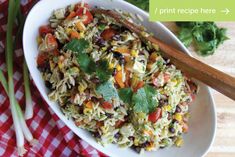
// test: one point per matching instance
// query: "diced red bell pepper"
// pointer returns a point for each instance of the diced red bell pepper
(86, 15)
(107, 34)
(45, 29)
(42, 59)
(154, 116)
(107, 105)
(51, 43)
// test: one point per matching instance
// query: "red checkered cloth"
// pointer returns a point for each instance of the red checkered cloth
(54, 137)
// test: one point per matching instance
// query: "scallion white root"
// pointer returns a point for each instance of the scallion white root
(23, 126)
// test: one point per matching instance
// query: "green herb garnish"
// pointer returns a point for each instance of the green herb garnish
(125, 95)
(144, 100)
(79, 46)
(143, 4)
(86, 63)
(102, 71)
(206, 36)
(107, 90)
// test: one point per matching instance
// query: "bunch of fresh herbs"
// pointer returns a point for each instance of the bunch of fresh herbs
(206, 36)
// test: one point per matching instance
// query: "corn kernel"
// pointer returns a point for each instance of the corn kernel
(104, 129)
(134, 53)
(167, 108)
(68, 30)
(178, 117)
(60, 65)
(119, 68)
(81, 34)
(136, 142)
(111, 65)
(179, 142)
(103, 49)
(87, 111)
(75, 70)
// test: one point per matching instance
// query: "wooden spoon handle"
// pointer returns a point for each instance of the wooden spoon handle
(194, 68)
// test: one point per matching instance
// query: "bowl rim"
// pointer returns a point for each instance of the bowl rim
(171, 34)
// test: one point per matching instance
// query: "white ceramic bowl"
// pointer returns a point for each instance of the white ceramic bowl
(202, 123)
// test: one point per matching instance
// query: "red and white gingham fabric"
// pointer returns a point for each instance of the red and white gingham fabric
(54, 137)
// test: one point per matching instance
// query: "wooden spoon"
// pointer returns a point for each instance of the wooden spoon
(194, 68)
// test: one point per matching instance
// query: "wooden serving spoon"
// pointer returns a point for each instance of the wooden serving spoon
(189, 65)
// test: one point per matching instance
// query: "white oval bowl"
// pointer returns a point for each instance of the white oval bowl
(202, 124)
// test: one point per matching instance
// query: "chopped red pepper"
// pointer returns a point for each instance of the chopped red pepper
(42, 59)
(154, 116)
(85, 15)
(45, 29)
(107, 34)
(107, 105)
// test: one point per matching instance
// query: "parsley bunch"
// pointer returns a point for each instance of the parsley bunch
(206, 36)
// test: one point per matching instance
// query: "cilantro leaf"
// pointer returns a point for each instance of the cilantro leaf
(145, 99)
(185, 36)
(102, 71)
(77, 45)
(208, 37)
(107, 90)
(86, 63)
(125, 95)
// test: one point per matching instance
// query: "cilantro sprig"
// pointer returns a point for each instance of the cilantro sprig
(144, 100)
(107, 90)
(206, 36)
(79, 46)
(87, 64)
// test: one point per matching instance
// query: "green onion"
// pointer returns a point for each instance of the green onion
(12, 12)
(28, 135)
(29, 103)
(28, 98)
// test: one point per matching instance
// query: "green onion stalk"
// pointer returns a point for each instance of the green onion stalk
(28, 98)
(26, 132)
(12, 12)
(21, 128)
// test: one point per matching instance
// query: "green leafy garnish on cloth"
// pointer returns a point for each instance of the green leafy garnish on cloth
(206, 36)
